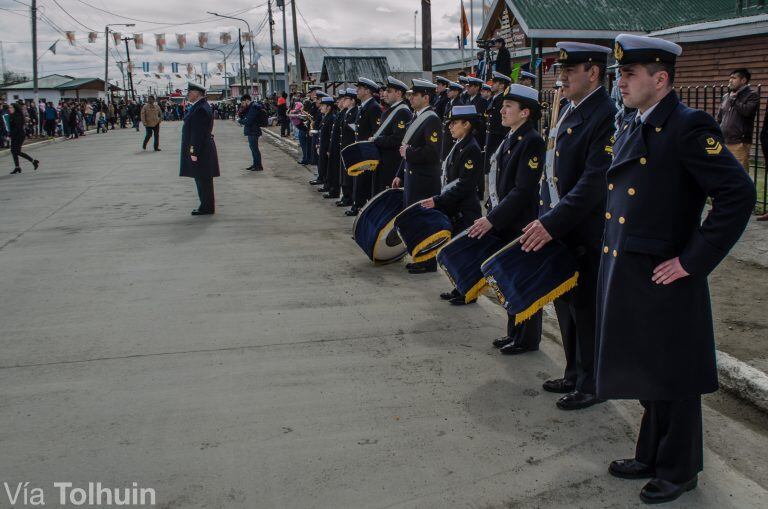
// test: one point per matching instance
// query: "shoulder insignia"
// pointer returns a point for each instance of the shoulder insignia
(433, 138)
(469, 164)
(608, 149)
(613, 139)
(378, 121)
(401, 125)
(712, 146)
(533, 163)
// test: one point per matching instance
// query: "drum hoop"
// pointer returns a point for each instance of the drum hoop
(370, 203)
(431, 244)
(390, 224)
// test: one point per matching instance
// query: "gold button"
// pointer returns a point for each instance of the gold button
(622, 220)
(625, 126)
(610, 187)
(643, 160)
(615, 253)
(557, 153)
(554, 179)
(541, 202)
(631, 191)
(519, 138)
(658, 129)
(551, 205)
(605, 250)
(607, 215)
(569, 131)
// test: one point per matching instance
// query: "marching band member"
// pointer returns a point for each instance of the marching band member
(513, 189)
(572, 209)
(368, 115)
(655, 332)
(347, 138)
(389, 136)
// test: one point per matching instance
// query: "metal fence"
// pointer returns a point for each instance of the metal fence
(707, 98)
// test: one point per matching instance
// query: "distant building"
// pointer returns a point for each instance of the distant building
(54, 87)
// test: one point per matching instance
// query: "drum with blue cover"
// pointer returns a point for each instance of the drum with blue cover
(423, 231)
(374, 228)
(360, 157)
(461, 259)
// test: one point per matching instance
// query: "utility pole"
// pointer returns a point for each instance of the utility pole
(241, 61)
(130, 70)
(33, 12)
(106, 56)
(299, 74)
(271, 42)
(281, 3)
(2, 63)
(426, 37)
(415, 16)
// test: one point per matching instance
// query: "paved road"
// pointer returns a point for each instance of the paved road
(254, 359)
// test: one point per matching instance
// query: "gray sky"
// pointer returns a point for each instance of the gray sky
(350, 23)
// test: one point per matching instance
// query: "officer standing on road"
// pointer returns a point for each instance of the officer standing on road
(572, 209)
(389, 136)
(199, 159)
(655, 332)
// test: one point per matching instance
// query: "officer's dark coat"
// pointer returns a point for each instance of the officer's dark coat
(324, 145)
(333, 177)
(421, 172)
(197, 140)
(441, 101)
(463, 173)
(389, 142)
(656, 342)
(519, 167)
(480, 105)
(367, 119)
(494, 130)
(447, 139)
(582, 157)
(347, 138)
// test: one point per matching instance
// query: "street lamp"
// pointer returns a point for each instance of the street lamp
(106, 55)
(239, 43)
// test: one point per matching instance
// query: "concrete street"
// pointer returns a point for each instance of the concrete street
(256, 359)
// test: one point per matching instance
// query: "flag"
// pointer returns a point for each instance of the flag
(181, 40)
(247, 36)
(515, 73)
(145, 66)
(160, 67)
(160, 42)
(202, 39)
(190, 68)
(220, 66)
(116, 36)
(70, 37)
(276, 49)
(52, 49)
(174, 67)
(92, 36)
(464, 25)
(204, 67)
(138, 40)
(225, 38)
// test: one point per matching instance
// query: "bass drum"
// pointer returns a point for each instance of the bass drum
(423, 231)
(461, 259)
(374, 227)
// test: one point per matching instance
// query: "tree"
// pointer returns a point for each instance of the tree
(11, 78)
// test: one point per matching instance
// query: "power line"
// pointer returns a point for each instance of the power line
(73, 18)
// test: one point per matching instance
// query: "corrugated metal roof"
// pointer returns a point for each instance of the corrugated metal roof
(349, 69)
(78, 82)
(400, 60)
(46, 82)
(623, 15)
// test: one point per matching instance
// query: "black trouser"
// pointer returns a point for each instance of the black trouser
(313, 142)
(526, 334)
(332, 175)
(576, 315)
(671, 439)
(285, 126)
(16, 151)
(205, 192)
(346, 182)
(361, 188)
(152, 131)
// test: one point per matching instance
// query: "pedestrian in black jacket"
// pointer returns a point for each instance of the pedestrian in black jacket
(572, 209)
(18, 133)
(513, 194)
(503, 62)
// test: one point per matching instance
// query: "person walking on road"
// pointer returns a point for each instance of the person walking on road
(199, 159)
(251, 121)
(151, 116)
(18, 134)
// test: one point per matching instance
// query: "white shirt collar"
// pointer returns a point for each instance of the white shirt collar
(642, 118)
(425, 108)
(574, 105)
(366, 101)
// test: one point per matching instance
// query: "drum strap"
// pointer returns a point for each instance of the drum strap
(416, 124)
(444, 178)
(549, 166)
(388, 120)
(493, 193)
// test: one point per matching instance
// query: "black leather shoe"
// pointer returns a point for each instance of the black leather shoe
(658, 491)
(35, 163)
(250, 168)
(559, 386)
(449, 295)
(577, 400)
(344, 203)
(351, 212)
(631, 469)
(315, 182)
(258, 168)
(16, 170)
(409, 266)
(329, 196)
(515, 349)
(500, 342)
(460, 300)
(197, 212)
(322, 189)
(421, 269)
(158, 150)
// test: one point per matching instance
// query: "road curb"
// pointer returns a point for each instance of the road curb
(747, 383)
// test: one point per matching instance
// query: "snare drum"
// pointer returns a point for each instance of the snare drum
(423, 231)
(374, 229)
(461, 259)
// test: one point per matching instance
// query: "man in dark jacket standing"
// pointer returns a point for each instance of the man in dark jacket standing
(737, 115)
(572, 209)
(389, 136)
(655, 331)
(366, 124)
(503, 58)
(199, 159)
(252, 130)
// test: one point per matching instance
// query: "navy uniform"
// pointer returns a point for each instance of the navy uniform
(514, 193)
(441, 99)
(421, 172)
(197, 141)
(310, 106)
(390, 138)
(324, 143)
(454, 99)
(527, 78)
(582, 157)
(480, 105)
(656, 341)
(494, 130)
(367, 122)
(333, 182)
(348, 138)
